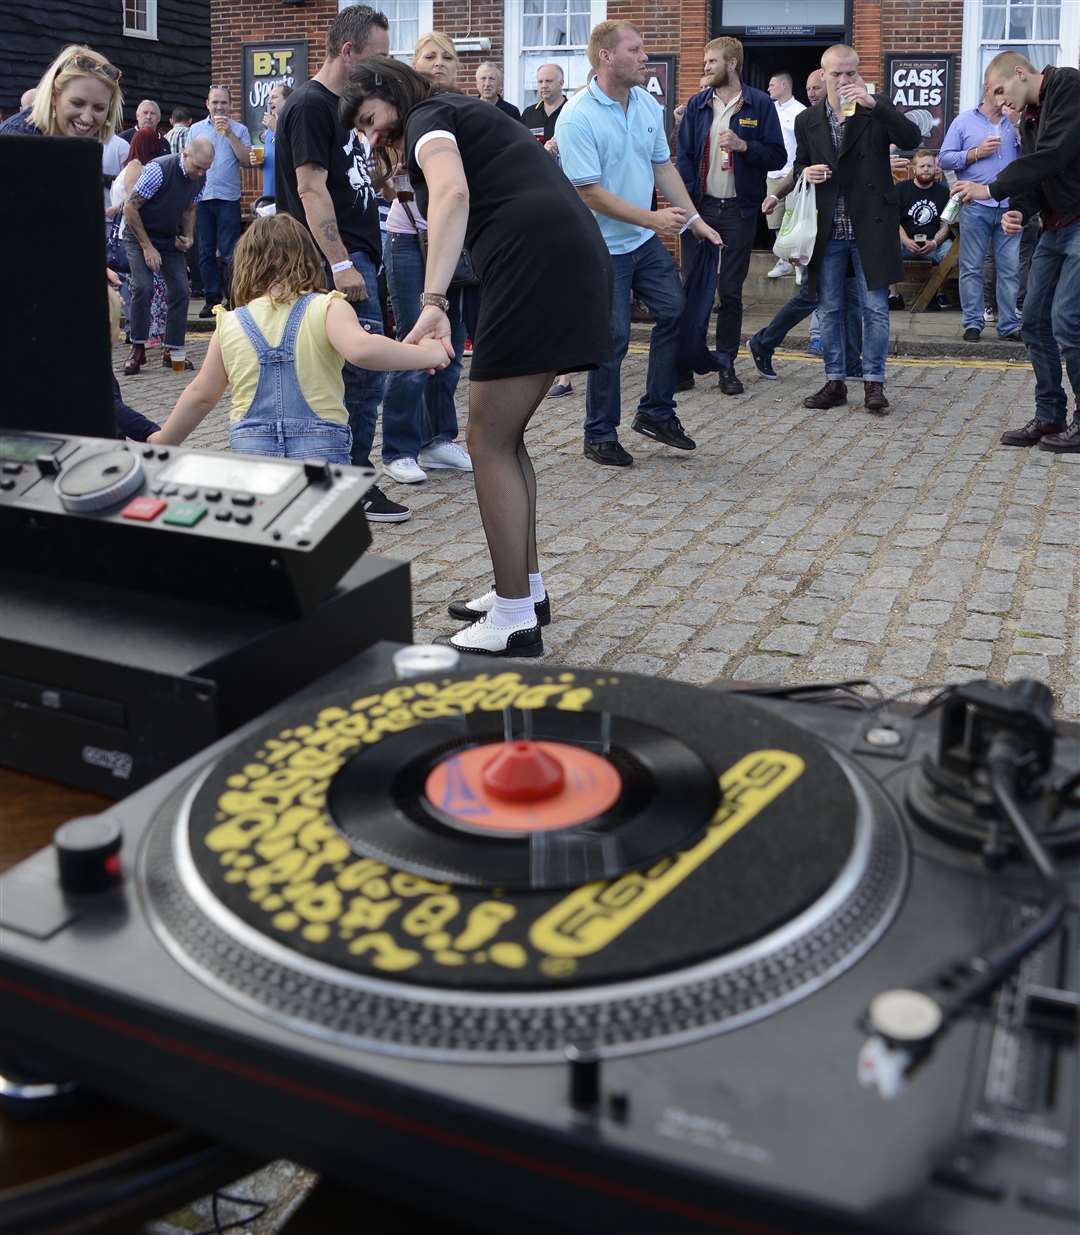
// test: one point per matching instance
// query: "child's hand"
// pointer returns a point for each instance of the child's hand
(437, 353)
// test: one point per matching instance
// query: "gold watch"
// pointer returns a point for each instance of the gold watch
(433, 298)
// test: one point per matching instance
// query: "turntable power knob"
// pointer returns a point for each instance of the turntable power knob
(88, 854)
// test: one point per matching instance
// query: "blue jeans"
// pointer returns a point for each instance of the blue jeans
(649, 271)
(418, 410)
(279, 421)
(218, 230)
(832, 298)
(934, 257)
(980, 228)
(804, 302)
(1052, 320)
(364, 387)
(174, 272)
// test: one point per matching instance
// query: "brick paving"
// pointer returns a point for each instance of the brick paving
(791, 546)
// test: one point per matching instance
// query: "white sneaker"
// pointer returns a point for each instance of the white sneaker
(446, 454)
(484, 639)
(405, 470)
(781, 269)
(988, 314)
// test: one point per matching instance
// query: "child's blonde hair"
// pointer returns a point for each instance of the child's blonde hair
(276, 257)
(76, 60)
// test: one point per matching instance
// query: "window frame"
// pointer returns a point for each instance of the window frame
(151, 21)
(425, 15)
(514, 53)
(1067, 45)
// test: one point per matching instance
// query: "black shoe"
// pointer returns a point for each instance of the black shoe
(1014, 336)
(474, 610)
(208, 308)
(685, 384)
(670, 432)
(896, 301)
(1033, 433)
(940, 301)
(1068, 439)
(762, 359)
(832, 394)
(729, 384)
(874, 397)
(610, 454)
(972, 335)
(380, 509)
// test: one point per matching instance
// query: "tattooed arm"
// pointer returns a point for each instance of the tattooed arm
(134, 222)
(322, 222)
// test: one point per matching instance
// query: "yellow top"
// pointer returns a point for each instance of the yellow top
(318, 365)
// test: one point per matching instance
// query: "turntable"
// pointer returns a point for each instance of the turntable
(565, 948)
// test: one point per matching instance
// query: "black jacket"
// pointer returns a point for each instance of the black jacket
(864, 175)
(1047, 173)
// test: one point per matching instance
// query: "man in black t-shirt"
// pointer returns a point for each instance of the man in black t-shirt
(540, 118)
(922, 199)
(323, 180)
(923, 236)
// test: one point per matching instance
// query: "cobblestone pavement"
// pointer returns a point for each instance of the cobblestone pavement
(791, 546)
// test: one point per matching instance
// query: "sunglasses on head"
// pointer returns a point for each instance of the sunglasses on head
(89, 65)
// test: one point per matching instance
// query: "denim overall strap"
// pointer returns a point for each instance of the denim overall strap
(278, 395)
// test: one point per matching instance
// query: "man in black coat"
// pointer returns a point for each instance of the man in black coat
(1044, 180)
(842, 148)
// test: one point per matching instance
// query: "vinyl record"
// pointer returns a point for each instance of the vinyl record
(630, 794)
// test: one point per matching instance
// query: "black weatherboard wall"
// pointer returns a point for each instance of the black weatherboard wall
(173, 69)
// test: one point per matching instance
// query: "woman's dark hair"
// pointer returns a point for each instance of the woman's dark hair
(381, 77)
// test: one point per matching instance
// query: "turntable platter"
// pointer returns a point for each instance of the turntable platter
(727, 864)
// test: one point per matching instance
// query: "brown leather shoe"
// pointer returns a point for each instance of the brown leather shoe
(1032, 433)
(832, 394)
(1068, 439)
(135, 360)
(874, 397)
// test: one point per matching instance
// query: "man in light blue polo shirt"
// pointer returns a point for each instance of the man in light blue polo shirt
(979, 145)
(219, 207)
(612, 145)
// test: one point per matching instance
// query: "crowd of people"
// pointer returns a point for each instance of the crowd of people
(388, 191)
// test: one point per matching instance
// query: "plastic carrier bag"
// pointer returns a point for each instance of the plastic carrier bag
(795, 241)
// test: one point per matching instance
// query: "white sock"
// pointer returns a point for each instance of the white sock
(512, 611)
(536, 587)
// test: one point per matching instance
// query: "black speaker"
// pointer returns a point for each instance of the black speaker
(54, 311)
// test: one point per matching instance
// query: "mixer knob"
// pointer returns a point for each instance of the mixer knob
(47, 465)
(584, 1077)
(88, 854)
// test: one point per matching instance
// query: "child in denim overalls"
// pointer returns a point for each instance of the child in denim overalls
(288, 397)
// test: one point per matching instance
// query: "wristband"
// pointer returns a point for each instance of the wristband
(338, 267)
(435, 301)
(689, 223)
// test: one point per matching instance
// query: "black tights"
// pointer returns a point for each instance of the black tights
(499, 412)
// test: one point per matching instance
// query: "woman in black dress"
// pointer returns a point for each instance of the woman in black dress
(482, 180)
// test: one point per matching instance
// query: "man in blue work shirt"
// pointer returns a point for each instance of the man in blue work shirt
(730, 138)
(218, 212)
(613, 148)
(979, 145)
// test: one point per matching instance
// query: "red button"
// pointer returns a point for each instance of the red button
(144, 508)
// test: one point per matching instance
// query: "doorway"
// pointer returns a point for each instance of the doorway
(797, 57)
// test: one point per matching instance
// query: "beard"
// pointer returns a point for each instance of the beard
(924, 182)
(721, 78)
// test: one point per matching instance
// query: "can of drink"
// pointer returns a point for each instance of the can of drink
(725, 159)
(952, 210)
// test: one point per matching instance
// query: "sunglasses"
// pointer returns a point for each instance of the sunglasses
(89, 65)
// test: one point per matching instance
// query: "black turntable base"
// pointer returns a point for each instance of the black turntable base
(344, 931)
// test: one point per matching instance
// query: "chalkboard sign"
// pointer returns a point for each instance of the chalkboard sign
(266, 65)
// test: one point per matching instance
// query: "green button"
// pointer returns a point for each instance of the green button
(185, 514)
